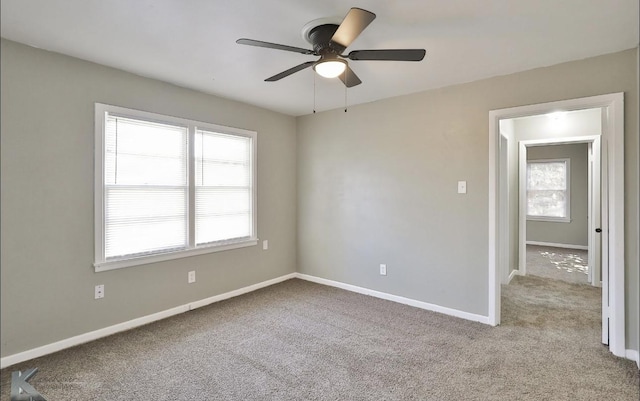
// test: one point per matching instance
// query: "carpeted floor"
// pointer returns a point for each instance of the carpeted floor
(570, 265)
(303, 341)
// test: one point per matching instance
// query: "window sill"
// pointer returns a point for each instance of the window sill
(143, 260)
(549, 219)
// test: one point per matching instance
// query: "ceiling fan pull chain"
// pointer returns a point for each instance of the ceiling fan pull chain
(346, 81)
(314, 93)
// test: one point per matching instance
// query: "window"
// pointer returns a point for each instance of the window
(548, 190)
(168, 187)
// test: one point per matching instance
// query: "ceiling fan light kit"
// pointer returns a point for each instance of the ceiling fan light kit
(329, 40)
(330, 68)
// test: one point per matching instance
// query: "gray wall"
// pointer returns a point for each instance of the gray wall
(47, 200)
(575, 232)
(378, 184)
(374, 185)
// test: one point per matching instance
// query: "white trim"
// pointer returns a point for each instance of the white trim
(98, 181)
(190, 248)
(604, 238)
(396, 298)
(522, 186)
(613, 158)
(161, 257)
(131, 324)
(141, 321)
(632, 355)
(494, 241)
(549, 219)
(512, 275)
(555, 245)
(522, 207)
(504, 264)
(595, 212)
(615, 220)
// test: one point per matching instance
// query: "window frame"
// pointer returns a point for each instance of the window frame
(100, 262)
(555, 219)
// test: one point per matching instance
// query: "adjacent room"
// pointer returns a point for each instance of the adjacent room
(299, 200)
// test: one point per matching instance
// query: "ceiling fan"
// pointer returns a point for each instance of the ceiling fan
(329, 40)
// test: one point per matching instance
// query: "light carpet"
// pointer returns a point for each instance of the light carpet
(303, 341)
(570, 265)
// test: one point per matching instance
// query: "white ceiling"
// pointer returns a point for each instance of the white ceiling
(191, 43)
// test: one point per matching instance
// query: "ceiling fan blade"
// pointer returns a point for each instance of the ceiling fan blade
(268, 45)
(349, 78)
(290, 71)
(391, 55)
(353, 24)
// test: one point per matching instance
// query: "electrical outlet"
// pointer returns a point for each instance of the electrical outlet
(99, 294)
(265, 245)
(191, 277)
(383, 270)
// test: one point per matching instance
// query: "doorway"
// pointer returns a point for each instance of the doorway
(611, 208)
(576, 217)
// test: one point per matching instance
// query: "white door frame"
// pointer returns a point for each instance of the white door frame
(595, 212)
(593, 140)
(503, 204)
(613, 211)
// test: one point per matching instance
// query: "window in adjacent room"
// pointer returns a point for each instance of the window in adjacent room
(548, 190)
(168, 187)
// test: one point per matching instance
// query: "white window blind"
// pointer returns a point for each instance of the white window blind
(168, 187)
(223, 187)
(146, 187)
(548, 189)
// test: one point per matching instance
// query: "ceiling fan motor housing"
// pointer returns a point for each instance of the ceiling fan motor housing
(320, 38)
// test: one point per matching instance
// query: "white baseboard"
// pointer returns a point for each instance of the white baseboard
(396, 298)
(553, 244)
(131, 324)
(633, 355)
(629, 354)
(128, 325)
(512, 275)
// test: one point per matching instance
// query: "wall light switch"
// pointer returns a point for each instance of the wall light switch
(265, 245)
(383, 270)
(462, 187)
(191, 277)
